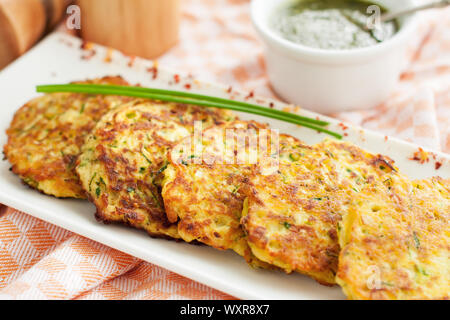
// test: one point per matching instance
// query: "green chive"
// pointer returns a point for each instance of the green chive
(102, 182)
(92, 179)
(191, 98)
(164, 167)
(131, 115)
(421, 270)
(416, 240)
(148, 160)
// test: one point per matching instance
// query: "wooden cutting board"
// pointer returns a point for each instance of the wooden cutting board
(23, 22)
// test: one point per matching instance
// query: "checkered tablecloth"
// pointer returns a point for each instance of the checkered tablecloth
(42, 261)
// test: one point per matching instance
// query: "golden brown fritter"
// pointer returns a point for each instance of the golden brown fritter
(396, 242)
(291, 216)
(123, 158)
(203, 185)
(46, 135)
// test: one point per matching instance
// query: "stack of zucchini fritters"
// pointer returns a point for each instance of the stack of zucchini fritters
(331, 211)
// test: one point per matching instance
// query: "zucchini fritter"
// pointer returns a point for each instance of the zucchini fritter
(46, 135)
(203, 185)
(291, 216)
(123, 158)
(395, 243)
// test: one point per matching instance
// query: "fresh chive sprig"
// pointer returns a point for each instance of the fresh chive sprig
(190, 98)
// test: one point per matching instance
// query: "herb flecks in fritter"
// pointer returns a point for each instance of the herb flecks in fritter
(395, 242)
(122, 161)
(203, 188)
(47, 133)
(291, 216)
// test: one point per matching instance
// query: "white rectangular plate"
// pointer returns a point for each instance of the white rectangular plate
(57, 59)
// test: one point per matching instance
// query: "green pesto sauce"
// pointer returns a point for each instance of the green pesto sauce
(330, 24)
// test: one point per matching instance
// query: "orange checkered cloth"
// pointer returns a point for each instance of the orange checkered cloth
(42, 261)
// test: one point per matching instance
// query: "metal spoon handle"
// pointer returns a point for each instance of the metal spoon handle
(393, 15)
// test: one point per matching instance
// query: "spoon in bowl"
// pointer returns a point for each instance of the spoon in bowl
(388, 16)
(378, 33)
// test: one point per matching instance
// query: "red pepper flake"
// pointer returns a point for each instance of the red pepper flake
(250, 95)
(108, 57)
(66, 42)
(154, 70)
(230, 89)
(89, 55)
(386, 138)
(272, 105)
(421, 156)
(407, 76)
(176, 78)
(187, 86)
(343, 126)
(438, 165)
(346, 134)
(131, 62)
(86, 45)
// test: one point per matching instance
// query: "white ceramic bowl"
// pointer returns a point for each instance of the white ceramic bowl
(333, 80)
